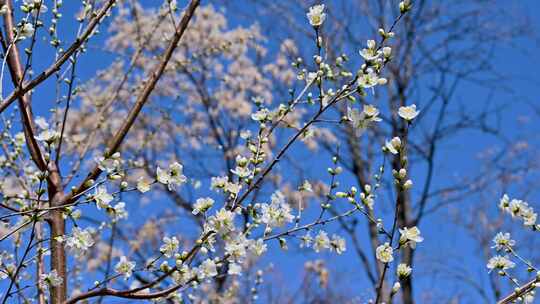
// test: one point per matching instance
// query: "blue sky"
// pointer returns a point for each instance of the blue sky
(447, 244)
(518, 62)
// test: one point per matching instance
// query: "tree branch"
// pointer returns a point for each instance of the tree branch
(26, 87)
(151, 82)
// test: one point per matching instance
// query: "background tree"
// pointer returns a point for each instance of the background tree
(187, 99)
(442, 50)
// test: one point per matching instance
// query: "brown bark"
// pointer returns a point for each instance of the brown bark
(58, 254)
(359, 172)
(17, 72)
(56, 221)
(152, 79)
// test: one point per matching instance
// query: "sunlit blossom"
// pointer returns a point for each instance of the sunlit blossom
(408, 113)
(316, 15)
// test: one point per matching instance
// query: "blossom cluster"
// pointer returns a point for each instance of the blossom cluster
(508, 256)
(237, 221)
(520, 209)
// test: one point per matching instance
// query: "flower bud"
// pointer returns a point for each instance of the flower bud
(402, 173)
(342, 194)
(124, 185)
(408, 184)
(387, 51)
(396, 142)
(405, 6)
(283, 243)
(396, 287)
(164, 266)
(367, 188)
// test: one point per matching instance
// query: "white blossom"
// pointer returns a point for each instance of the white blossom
(311, 76)
(51, 279)
(207, 269)
(369, 79)
(306, 186)
(245, 134)
(316, 15)
(236, 248)
(371, 53)
(219, 182)
(170, 246)
(368, 200)
(257, 247)
(504, 203)
(41, 122)
(520, 209)
(27, 31)
(529, 217)
(222, 222)
(277, 213)
(202, 205)
(118, 212)
(387, 51)
(503, 241)
(516, 206)
(321, 241)
(338, 244)
(529, 298)
(410, 236)
(124, 267)
(385, 253)
(184, 274)
(408, 113)
(143, 185)
(405, 6)
(362, 120)
(407, 184)
(33, 5)
(80, 240)
(102, 197)
(306, 239)
(241, 161)
(261, 115)
(171, 177)
(4, 273)
(403, 271)
(19, 141)
(396, 287)
(500, 262)
(47, 135)
(241, 172)
(233, 188)
(109, 164)
(393, 145)
(371, 113)
(234, 269)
